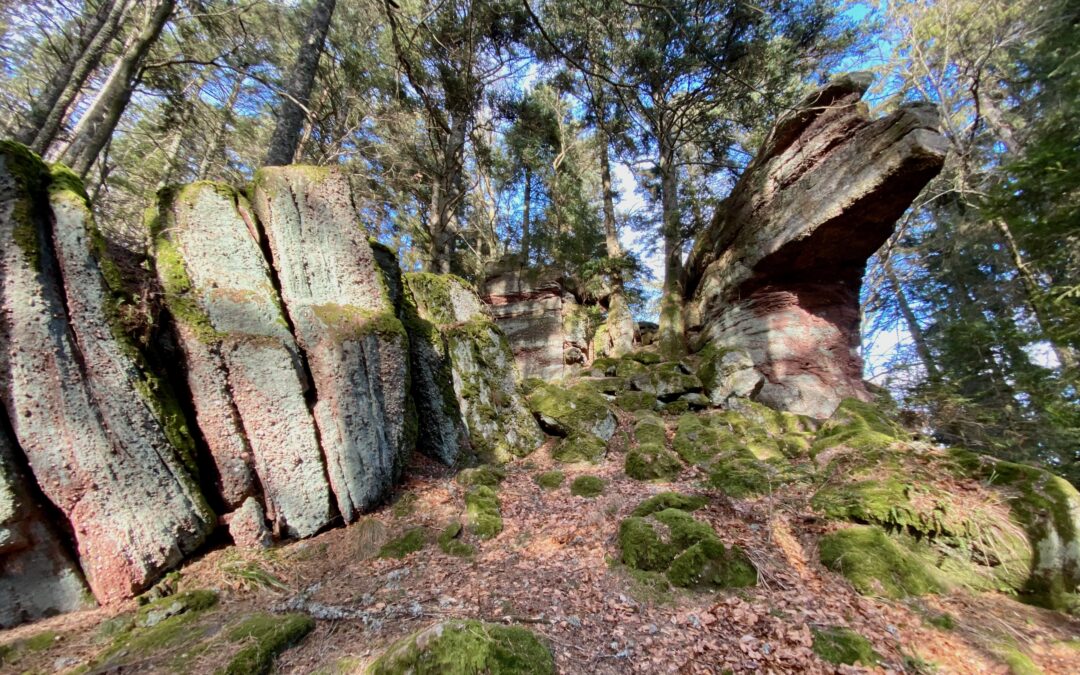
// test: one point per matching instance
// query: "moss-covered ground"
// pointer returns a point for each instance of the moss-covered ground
(855, 526)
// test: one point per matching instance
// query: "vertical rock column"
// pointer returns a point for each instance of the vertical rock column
(78, 407)
(483, 373)
(344, 321)
(38, 577)
(244, 369)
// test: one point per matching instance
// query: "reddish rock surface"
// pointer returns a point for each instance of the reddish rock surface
(779, 270)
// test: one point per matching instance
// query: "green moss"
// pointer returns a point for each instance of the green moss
(482, 509)
(643, 357)
(346, 322)
(181, 603)
(709, 564)
(587, 486)
(12, 652)
(156, 627)
(1018, 662)
(607, 385)
(843, 646)
(31, 177)
(694, 441)
(434, 296)
(669, 500)
(859, 426)
(650, 429)
(264, 636)
(941, 620)
(652, 462)
(485, 474)
(876, 564)
(551, 480)
(179, 293)
(604, 366)
(467, 648)
(627, 368)
(450, 542)
(577, 409)
(680, 407)
(413, 540)
(579, 448)
(632, 401)
(741, 476)
(642, 548)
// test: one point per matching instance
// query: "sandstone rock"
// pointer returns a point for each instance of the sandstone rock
(547, 329)
(483, 375)
(579, 409)
(78, 405)
(38, 577)
(666, 381)
(247, 526)
(344, 321)
(727, 373)
(778, 271)
(243, 366)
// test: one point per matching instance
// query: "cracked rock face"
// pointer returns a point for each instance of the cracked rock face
(79, 408)
(344, 321)
(779, 270)
(482, 369)
(243, 366)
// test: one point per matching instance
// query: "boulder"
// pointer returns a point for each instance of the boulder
(83, 413)
(344, 321)
(454, 336)
(38, 577)
(247, 526)
(728, 373)
(778, 271)
(566, 411)
(243, 367)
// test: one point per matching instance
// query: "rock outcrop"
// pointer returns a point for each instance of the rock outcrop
(778, 271)
(243, 367)
(460, 340)
(81, 410)
(548, 330)
(343, 318)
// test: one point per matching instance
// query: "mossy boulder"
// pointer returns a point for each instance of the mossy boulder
(603, 367)
(633, 401)
(695, 441)
(551, 480)
(482, 509)
(568, 410)
(411, 541)
(669, 500)
(666, 381)
(840, 645)
(466, 647)
(450, 541)
(741, 475)
(651, 461)
(860, 426)
(587, 486)
(687, 551)
(643, 357)
(877, 564)
(606, 385)
(579, 448)
(485, 474)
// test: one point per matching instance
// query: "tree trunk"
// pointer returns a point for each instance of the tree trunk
(96, 126)
(217, 142)
(527, 199)
(921, 348)
(620, 321)
(672, 331)
(298, 88)
(71, 72)
(176, 145)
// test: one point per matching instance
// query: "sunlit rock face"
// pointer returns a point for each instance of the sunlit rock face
(778, 271)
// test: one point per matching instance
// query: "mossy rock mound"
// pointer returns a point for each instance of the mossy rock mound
(669, 500)
(646, 358)
(460, 647)
(483, 511)
(843, 646)
(411, 541)
(579, 448)
(551, 480)
(859, 426)
(486, 474)
(651, 461)
(633, 401)
(877, 564)
(666, 381)
(578, 409)
(450, 541)
(587, 486)
(263, 637)
(687, 551)
(695, 441)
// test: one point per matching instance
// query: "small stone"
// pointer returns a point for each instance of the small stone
(247, 526)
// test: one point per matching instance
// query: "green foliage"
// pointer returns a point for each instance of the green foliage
(551, 480)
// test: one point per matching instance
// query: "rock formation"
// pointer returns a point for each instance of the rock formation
(80, 409)
(548, 330)
(344, 320)
(778, 271)
(476, 355)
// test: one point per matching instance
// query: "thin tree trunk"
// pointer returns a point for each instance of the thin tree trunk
(672, 336)
(300, 83)
(914, 329)
(48, 125)
(1065, 355)
(620, 321)
(217, 142)
(98, 123)
(525, 243)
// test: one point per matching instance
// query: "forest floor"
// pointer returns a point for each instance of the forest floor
(554, 570)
